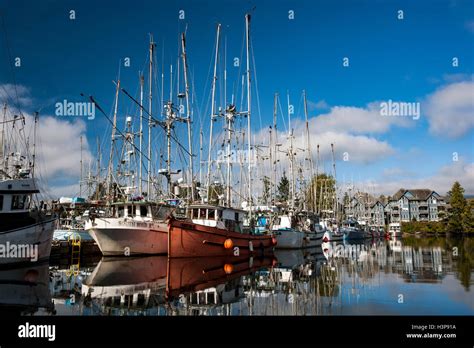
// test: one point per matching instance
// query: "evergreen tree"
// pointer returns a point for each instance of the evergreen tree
(266, 190)
(468, 217)
(284, 188)
(457, 211)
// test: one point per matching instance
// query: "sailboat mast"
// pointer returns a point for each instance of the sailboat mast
(249, 138)
(150, 99)
(214, 80)
(140, 180)
(188, 118)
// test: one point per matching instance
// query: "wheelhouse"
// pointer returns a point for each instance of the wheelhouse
(215, 216)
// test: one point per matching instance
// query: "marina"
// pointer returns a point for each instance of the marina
(269, 163)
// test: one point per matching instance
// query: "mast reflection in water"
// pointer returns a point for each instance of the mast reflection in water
(433, 276)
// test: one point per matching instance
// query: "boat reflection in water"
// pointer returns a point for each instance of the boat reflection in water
(361, 278)
(161, 286)
(25, 291)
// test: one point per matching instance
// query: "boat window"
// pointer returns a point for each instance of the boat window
(1, 202)
(143, 210)
(219, 214)
(195, 213)
(211, 214)
(236, 217)
(202, 213)
(19, 202)
(121, 211)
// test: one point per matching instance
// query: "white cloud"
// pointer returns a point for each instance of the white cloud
(15, 95)
(322, 105)
(450, 109)
(441, 181)
(58, 154)
(357, 120)
(58, 149)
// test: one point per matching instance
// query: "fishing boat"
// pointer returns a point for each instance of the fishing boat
(352, 230)
(132, 228)
(215, 231)
(298, 231)
(26, 226)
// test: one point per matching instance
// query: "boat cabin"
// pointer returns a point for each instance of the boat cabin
(302, 221)
(140, 210)
(15, 203)
(216, 216)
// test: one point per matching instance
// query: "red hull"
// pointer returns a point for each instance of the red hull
(186, 239)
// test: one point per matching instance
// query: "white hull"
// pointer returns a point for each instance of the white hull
(40, 234)
(294, 239)
(118, 238)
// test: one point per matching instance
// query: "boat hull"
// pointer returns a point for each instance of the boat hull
(294, 239)
(187, 239)
(354, 234)
(129, 240)
(39, 234)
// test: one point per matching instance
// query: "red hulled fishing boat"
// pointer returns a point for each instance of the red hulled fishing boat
(216, 231)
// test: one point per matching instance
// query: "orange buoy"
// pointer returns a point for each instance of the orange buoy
(228, 268)
(228, 244)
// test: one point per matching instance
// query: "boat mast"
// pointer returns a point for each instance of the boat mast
(247, 31)
(34, 144)
(98, 168)
(80, 181)
(308, 147)
(200, 154)
(229, 118)
(335, 186)
(214, 80)
(140, 181)
(150, 99)
(317, 182)
(275, 139)
(188, 117)
(112, 142)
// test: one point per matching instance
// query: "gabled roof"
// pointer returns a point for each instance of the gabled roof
(414, 194)
(398, 194)
(421, 194)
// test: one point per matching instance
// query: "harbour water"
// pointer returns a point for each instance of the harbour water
(426, 276)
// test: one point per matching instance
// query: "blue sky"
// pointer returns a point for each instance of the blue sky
(407, 60)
